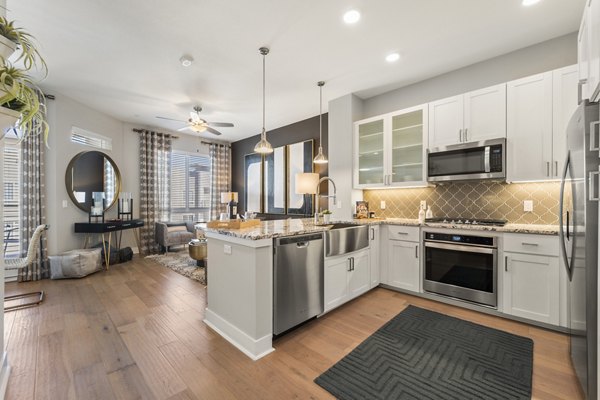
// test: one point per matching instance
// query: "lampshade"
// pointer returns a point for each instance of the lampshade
(306, 183)
(320, 157)
(198, 127)
(226, 197)
(263, 146)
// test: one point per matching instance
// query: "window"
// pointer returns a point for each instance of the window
(87, 138)
(190, 187)
(12, 196)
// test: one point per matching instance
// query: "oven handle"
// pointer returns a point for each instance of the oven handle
(467, 249)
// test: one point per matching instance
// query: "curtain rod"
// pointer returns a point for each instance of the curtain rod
(215, 143)
(144, 130)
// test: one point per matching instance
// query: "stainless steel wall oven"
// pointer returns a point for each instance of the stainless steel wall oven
(461, 266)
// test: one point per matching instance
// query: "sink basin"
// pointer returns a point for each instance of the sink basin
(345, 238)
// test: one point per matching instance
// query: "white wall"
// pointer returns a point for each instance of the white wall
(545, 56)
(63, 113)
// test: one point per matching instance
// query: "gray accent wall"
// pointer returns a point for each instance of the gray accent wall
(294, 133)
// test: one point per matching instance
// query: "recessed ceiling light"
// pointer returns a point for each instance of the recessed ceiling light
(528, 3)
(351, 17)
(393, 57)
(186, 61)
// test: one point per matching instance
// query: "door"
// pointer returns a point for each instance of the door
(407, 150)
(529, 128)
(403, 265)
(446, 122)
(564, 99)
(374, 268)
(336, 281)
(485, 114)
(531, 287)
(359, 277)
(369, 159)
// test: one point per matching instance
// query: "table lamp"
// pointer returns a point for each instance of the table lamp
(306, 183)
(231, 199)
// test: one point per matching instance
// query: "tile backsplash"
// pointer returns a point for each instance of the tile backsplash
(472, 200)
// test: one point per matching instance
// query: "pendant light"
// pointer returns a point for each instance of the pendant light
(263, 146)
(320, 157)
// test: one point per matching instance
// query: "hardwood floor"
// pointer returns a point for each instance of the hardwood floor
(136, 332)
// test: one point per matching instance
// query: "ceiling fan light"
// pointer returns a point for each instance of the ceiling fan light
(320, 157)
(198, 128)
(263, 146)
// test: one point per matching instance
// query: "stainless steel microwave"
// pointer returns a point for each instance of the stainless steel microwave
(467, 161)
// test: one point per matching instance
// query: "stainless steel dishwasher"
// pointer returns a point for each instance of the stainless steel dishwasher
(298, 266)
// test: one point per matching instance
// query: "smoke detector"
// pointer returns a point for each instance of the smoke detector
(186, 60)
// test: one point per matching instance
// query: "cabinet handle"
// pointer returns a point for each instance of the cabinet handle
(349, 264)
(555, 168)
(352, 262)
(529, 244)
(547, 168)
(580, 90)
(506, 263)
(594, 146)
(417, 251)
(402, 233)
(372, 233)
(466, 135)
(460, 135)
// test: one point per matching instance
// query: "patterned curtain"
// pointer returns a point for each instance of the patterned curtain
(220, 177)
(33, 206)
(155, 164)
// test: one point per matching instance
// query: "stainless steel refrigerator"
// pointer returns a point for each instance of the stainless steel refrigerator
(578, 220)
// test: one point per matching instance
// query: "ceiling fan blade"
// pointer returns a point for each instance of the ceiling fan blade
(185, 128)
(170, 119)
(214, 131)
(223, 124)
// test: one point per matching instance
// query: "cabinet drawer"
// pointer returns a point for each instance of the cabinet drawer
(399, 232)
(531, 244)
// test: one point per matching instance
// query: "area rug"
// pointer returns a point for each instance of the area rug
(422, 354)
(181, 263)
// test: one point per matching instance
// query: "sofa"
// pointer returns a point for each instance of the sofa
(169, 234)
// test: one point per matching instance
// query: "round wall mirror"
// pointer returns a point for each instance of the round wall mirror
(91, 172)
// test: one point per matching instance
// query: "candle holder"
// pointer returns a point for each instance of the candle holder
(98, 207)
(125, 207)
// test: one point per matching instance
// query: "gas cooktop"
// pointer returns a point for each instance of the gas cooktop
(466, 221)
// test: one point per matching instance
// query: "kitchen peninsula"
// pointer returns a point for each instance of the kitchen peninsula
(240, 288)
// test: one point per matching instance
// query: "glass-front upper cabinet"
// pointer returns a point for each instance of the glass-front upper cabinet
(369, 152)
(390, 150)
(407, 148)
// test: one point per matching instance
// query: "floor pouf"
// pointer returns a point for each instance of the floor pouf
(75, 263)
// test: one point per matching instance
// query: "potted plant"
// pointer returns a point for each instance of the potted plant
(326, 216)
(12, 37)
(20, 103)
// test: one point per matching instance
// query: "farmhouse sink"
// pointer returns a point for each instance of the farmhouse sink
(345, 238)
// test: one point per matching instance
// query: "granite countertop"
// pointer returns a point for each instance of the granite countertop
(289, 227)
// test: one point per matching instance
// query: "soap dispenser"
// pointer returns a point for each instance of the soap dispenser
(421, 216)
(429, 213)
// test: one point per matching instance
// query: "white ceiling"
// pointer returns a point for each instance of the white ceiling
(122, 57)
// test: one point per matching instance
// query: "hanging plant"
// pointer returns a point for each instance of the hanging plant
(29, 54)
(20, 94)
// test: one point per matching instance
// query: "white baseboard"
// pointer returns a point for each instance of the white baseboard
(4, 374)
(253, 348)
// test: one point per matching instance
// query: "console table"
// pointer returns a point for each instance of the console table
(102, 228)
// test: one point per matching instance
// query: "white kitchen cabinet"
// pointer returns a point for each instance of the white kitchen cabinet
(346, 277)
(404, 270)
(529, 128)
(369, 156)
(531, 278)
(564, 103)
(374, 249)
(390, 150)
(588, 51)
(470, 117)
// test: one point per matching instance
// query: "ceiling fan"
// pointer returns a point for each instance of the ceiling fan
(197, 124)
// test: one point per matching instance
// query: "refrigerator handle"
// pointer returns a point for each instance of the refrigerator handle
(561, 228)
(594, 146)
(592, 187)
